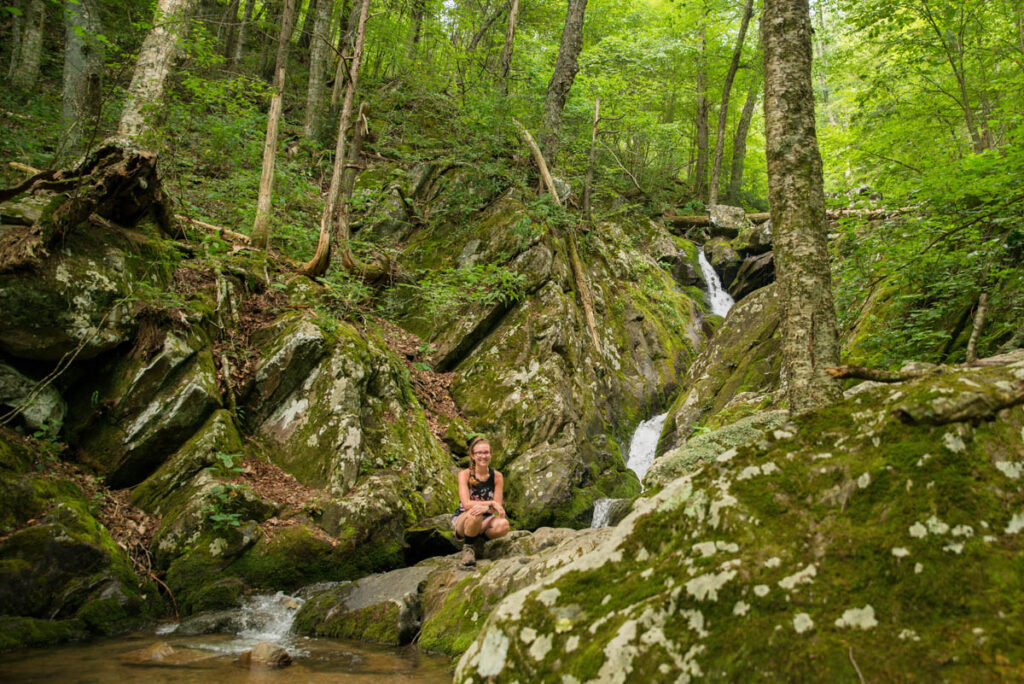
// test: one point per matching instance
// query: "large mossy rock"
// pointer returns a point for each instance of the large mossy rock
(885, 530)
(62, 576)
(743, 356)
(558, 411)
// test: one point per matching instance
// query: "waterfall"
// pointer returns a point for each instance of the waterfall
(720, 300)
(641, 456)
(266, 617)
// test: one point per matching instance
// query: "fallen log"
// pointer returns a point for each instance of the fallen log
(701, 220)
(223, 233)
(876, 374)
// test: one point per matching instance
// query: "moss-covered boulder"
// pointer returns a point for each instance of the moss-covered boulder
(880, 537)
(39, 408)
(57, 562)
(152, 405)
(743, 356)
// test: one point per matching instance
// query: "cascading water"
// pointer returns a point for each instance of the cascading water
(641, 456)
(720, 300)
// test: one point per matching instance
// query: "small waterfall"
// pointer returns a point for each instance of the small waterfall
(720, 300)
(267, 617)
(641, 456)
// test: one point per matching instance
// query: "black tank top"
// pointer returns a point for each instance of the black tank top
(481, 491)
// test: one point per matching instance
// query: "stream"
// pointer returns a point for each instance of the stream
(641, 455)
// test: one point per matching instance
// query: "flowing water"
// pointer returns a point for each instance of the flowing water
(641, 456)
(212, 657)
(720, 300)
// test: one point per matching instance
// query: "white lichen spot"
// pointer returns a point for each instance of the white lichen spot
(864, 480)
(761, 590)
(606, 599)
(876, 442)
(492, 654)
(705, 549)
(541, 647)
(716, 507)
(1012, 469)
(988, 539)
(861, 618)
(476, 616)
(548, 596)
(741, 608)
(963, 531)
(802, 622)
(569, 679)
(936, 526)
(782, 434)
(924, 459)
(918, 531)
(646, 574)
(956, 548)
(749, 472)
(900, 552)
(805, 576)
(769, 468)
(978, 630)
(642, 555)
(918, 568)
(527, 635)
(572, 643)
(217, 546)
(953, 442)
(818, 457)
(695, 622)
(773, 562)
(705, 587)
(908, 635)
(728, 547)
(1016, 524)
(726, 456)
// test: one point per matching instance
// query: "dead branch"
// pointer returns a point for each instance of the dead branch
(979, 323)
(223, 233)
(876, 374)
(624, 169)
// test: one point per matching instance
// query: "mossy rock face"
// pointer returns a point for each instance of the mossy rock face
(558, 411)
(80, 298)
(26, 632)
(40, 408)
(381, 608)
(723, 258)
(743, 356)
(58, 562)
(879, 525)
(156, 405)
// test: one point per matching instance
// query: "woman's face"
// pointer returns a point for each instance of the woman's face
(482, 454)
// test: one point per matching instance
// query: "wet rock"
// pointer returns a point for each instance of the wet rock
(162, 654)
(265, 656)
(756, 239)
(724, 259)
(754, 273)
(158, 652)
(40, 408)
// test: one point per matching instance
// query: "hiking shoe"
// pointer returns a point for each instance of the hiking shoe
(468, 555)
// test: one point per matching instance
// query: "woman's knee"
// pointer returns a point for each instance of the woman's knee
(498, 528)
(471, 525)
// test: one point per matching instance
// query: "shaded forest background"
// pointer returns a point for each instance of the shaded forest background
(920, 109)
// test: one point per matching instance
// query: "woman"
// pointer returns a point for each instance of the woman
(481, 495)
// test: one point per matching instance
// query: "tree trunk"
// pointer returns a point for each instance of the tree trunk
(309, 23)
(30, 48)
(593, 158)
(236, 54)
(419, 8)
(739, 141)
(345, 48)
(510, 38)
(810, 342)
(17, 26)
(273, 9)
(170, 24)
(331, 216)
(83, 68)
(261, 226)
(700, 172)
(318, 51)
(979, 324)
(566, 67)
(723, 111)
(228, 28)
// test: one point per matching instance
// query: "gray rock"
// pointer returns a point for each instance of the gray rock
(42, 408)
(723, 258)
(754, 273)
(265, 656)
(727, 221)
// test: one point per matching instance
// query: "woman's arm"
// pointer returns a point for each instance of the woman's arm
(499, 494)
(468, 504)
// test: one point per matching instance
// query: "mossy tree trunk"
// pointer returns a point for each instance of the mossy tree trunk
(566, 66)
(261, 226)
(510, 38)
(83, 68)
(739, 141)
(700, 170)
(795, 189)
(239, 44)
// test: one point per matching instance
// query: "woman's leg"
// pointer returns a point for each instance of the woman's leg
(495, 527)
(467, 525)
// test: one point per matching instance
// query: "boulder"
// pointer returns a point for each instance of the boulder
(890, 521)
(756, 239)
(724, 259)
(727, 221)
(754, 273)
(41, 408)
(265, 656)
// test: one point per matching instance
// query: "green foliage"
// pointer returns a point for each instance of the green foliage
(446, 290)
(220, 512)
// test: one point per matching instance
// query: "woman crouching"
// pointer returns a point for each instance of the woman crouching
(481, 495)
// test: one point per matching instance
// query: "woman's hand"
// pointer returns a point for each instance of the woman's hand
(480, 507)
(498, 510)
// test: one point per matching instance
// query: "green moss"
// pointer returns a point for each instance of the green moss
(25, 632)
(457, 622)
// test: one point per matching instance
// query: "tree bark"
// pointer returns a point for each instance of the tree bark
(274, 9)
(309, 23)
(83, 68)
(331, 216)
(170, 24)
(419, 8)
(236, 53)
(739, 141)
(593, 158)
(723, 111)
(810, 341)
(17, 27)
(318, 53)
(261, 226)
(510, 38)
(228, 28)
(700, 172)
(979, 323)
(345, 47)
(30, 47)
(566, 67)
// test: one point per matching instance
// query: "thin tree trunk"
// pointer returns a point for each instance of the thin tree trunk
(355, 149)
(17, 27)
(83, 68)
(274, 9)
(810, 341)
(419, 8)
(309, 23)
(30, 48)
(979, 323)
(723, 111)
(318, 51)
(345, 47)
(170, 24)
(236, 53)
(564, 74)
(822, 58)
(510, 38)
(261, 226)
(593, 158)
(739, 141)
(700, 172)
(228, 28)
(331, 216)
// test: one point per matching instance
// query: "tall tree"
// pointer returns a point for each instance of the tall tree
(510, 37)
(319, 47)
(700, 170)
(419, 9)
(170, 24)
(566, 66)
(810, 341)
(261, 226)
(739, 140)
(309, 23)
(83, 67)
(723, 110)
(25, 69)
(239, 44)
